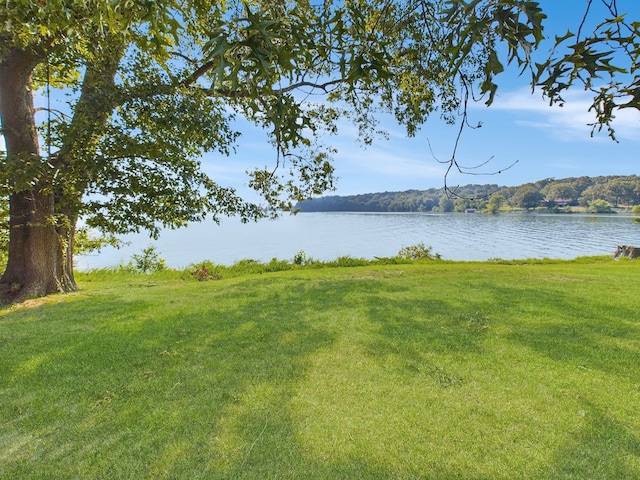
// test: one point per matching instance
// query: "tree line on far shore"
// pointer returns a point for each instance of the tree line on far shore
(595, 194)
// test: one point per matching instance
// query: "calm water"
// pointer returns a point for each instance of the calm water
(327, 236)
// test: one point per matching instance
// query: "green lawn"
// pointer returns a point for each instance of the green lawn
(430, 370)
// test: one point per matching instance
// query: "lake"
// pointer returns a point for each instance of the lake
(327, 236)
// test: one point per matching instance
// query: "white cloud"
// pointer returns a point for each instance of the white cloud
(569, 122)
(392, 157)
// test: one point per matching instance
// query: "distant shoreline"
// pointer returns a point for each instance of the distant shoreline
(568, 195)
(614, 211)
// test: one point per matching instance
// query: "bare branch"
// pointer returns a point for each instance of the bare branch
(56, 112)
(453, 161)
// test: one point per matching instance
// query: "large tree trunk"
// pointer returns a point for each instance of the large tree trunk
(43, 216)
(34, 266)
(32, 269)
(76, 158)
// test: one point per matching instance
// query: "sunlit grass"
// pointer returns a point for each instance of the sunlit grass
(430, 370)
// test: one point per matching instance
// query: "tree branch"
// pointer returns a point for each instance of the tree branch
(453, 161)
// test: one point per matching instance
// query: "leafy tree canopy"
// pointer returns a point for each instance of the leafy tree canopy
(600, 55)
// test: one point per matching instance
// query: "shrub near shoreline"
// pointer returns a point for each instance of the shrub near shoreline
(150, 261)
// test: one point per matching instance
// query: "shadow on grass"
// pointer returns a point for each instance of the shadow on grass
(590, 333)
(605, 448)
(111, 388)
(115, 388)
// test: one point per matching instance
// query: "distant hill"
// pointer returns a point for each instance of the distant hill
(551, 193)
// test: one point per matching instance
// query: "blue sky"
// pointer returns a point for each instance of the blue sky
(545, 141)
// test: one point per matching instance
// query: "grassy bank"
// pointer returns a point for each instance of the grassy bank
(429, 370)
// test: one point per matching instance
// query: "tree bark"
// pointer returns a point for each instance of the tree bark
(35, 249)
(32, 269)
(66, 230)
